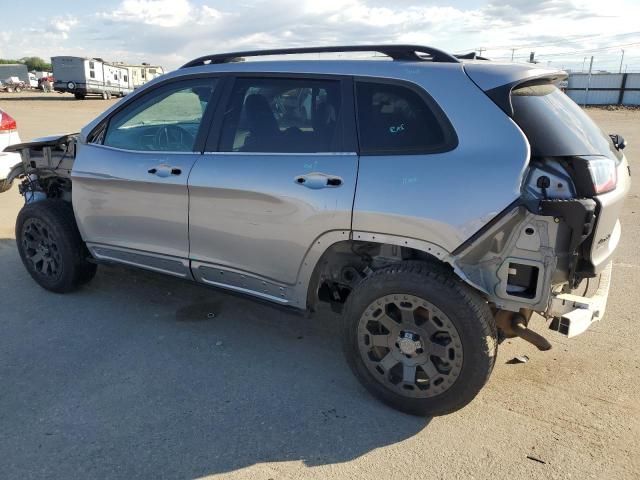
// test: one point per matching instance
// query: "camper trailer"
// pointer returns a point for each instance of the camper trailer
(94, 76)
(141, 74)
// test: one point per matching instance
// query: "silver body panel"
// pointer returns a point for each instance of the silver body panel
(118, 203)
(248, 213)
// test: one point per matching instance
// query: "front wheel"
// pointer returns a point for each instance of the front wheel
(5, 185)
(51, 248)
(419, 339)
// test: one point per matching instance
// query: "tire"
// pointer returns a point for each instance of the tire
(9, 89)
(5, 185)
(79, 96)
(105, 96)
(440, 345)
(18, 89)
(51, 248)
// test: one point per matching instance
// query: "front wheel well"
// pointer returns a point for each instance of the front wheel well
(347, 262)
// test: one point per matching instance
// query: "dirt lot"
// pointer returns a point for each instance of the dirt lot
(129, 379)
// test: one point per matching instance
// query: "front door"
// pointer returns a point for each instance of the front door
(130, 185)
(283, 175)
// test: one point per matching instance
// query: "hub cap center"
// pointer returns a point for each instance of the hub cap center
(409, 343)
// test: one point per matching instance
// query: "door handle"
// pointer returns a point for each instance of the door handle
(317, 180)
(164, 171)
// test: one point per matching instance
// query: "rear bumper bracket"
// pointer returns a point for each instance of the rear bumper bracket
(573, 314)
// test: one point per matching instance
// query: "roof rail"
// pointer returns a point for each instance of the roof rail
(396, 52)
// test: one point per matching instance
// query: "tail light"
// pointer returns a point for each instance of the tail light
(603, 174)
(7, 122)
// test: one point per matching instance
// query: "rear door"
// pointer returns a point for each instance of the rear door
(279, 175)
(130, 181)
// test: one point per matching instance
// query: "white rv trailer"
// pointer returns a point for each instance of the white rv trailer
(93, 76)
(141, 74)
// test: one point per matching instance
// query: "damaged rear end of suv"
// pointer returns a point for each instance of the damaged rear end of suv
(551, 251)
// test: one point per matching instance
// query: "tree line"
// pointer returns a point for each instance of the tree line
(32, 63)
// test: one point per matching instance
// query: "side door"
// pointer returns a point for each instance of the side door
(279, 175)
(130, 180)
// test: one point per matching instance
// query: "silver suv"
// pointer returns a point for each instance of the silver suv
(435, 202)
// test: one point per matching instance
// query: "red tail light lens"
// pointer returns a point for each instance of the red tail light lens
(7, 122)
(603, 174)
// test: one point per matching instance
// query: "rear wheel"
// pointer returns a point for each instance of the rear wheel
(419, 339)
(51, 248)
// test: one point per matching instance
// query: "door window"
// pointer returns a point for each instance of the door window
(282, 116)
(167, 119)
(394, 119)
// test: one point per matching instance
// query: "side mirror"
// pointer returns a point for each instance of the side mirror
(618, 141)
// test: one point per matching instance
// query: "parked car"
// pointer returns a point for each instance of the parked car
(10, 162)
(435, 203)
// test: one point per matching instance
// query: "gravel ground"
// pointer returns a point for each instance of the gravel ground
(130, 378)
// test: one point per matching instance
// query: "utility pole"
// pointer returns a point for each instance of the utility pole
(621, 60)
(480, 50)
(583, 61)
(513, 51)
(586, 93)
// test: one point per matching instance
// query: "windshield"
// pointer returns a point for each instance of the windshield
(556, 126)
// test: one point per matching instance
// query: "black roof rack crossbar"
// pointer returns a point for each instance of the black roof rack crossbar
(396, 52)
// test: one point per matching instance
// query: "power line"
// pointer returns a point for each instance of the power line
(564, 40)
(592, 50)
(575, 52)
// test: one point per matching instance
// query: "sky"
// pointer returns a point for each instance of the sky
(170, 32)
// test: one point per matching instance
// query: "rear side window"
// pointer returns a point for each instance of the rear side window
(395, 119)
(279, 115)
(555, 126)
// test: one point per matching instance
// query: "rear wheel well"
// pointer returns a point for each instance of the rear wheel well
(347, 262)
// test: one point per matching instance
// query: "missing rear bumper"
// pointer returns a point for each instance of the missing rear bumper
(573, 314)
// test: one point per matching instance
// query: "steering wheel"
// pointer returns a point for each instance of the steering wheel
(173, 138)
